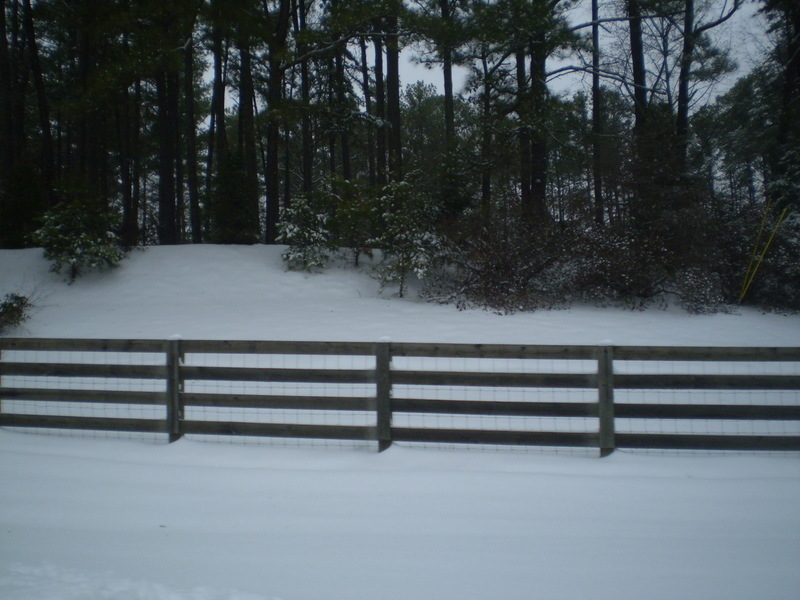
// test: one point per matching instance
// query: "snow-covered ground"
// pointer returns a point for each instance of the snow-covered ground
(108, 519)
(243, 292)
(122, 520)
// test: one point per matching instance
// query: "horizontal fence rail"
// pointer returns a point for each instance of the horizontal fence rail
(40, 376)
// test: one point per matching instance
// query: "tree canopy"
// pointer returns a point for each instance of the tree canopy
(245, 121)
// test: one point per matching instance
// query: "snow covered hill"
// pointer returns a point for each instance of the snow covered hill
(111, 519)
(244, 292)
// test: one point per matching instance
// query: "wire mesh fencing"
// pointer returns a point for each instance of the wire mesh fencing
(706, 404)
(274, 398)
(84, 387)
(541, 402)
(575, 399)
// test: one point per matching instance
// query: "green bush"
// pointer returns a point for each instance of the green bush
(405, 236)
(78, 237)
(14, 310)
(305, 229)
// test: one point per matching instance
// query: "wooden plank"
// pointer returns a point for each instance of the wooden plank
(707, 382)
(495, 408)
(532, 380)
(81, 345)
(710, 353)
(383, 394)
(83, 370)
(277, 347)
(708, 411)
(707, 442)
(281, 430)
(278, 402)
(480, 436)
(93, 396)
(277, 375)
(92, 423)
(492, 351)
(707, 353)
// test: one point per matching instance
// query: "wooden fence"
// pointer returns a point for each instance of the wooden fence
(172, 373)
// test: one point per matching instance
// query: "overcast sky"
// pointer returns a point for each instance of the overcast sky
(744, 36)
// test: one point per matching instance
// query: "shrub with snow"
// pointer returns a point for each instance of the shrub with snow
(405, 235)
(78, 237)
(14, 309)
(305, 229)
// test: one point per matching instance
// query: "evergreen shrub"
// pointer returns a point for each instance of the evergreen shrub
(79, 236)
(14, 309)
(305, 228)
(406, 236)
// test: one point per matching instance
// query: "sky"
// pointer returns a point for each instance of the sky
(744, 35)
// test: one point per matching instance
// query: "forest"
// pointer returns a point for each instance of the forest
(128, 123)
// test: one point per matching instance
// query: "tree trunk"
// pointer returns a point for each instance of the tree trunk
(87, 125)
(124, 134)
(641, 172)
(277, 46)
(393, 99)
(332, 134)
(191, 144)
(341, 102)
(218, 93)
(539, 149)
(486, 149)
(19, 80)
(524, 137)
(682, 120)
(597, 118)
(638, 66)
(307, 166)
(180, 199)
(380, 111)
(7, 86)
(273, 153)
(287, 168)
(788, 139)
(368, 106)
(136, 166)
(247, 137)
(447, 73)
(165, 126)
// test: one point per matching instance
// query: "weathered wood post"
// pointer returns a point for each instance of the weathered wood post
(1, 383)
(605, 398)
(383, 394)
(174, 389)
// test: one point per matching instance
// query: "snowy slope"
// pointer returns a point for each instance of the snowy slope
(244, 292)
(109, 519)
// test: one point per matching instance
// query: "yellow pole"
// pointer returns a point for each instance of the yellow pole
(766, 247)
(747, 275)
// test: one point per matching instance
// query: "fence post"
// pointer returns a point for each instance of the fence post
(1, 383)
(383, 394)
(605, 398)
(174, 389)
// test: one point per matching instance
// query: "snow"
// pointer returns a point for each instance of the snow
(111, 519)
(244, 292)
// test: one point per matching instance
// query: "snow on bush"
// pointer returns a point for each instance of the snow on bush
(305, 229)
(78, 237)
(14, 309)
